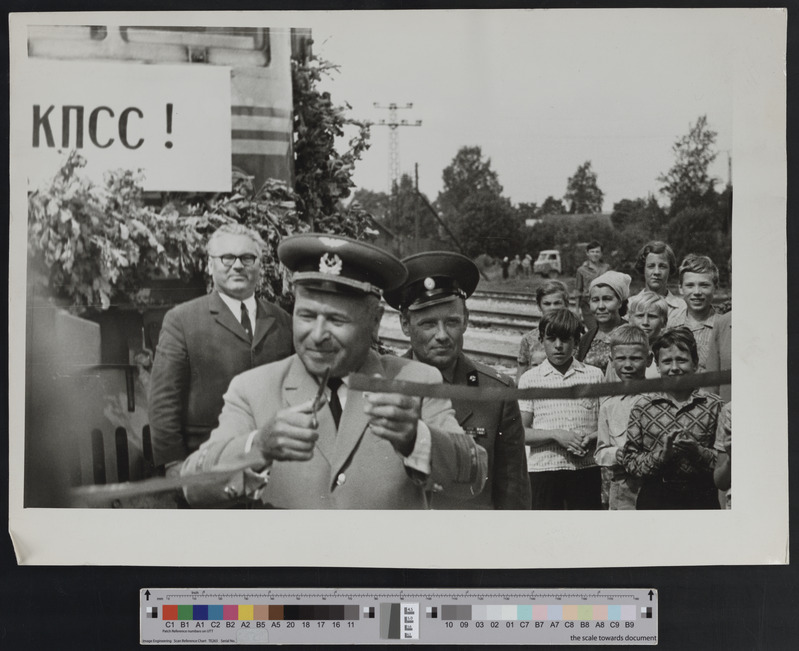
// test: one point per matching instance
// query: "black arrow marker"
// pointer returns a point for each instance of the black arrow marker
(147, 594)
(650, 595)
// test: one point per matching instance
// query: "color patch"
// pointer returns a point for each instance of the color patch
(554, 613)
(628, 613)
(230, 612)
(275, 612)
(215, 613)
(600, 613)
(585, 613)
(390, 621)
(169, 612)
(260, 613)
(185, 612)
(245, 612)
(525, 613)
(569, 613)
(614, 612)
(456, 611)
(200, 612)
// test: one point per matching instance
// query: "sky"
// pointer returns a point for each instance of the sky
(539, 91)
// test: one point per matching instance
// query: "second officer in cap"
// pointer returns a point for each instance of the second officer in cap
(351, 449)
(433, 314)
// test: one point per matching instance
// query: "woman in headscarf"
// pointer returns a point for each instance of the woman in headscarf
(608, 294)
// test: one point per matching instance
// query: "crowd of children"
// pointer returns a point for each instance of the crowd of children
(661, 450)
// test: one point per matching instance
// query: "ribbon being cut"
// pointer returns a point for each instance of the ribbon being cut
(106, 495)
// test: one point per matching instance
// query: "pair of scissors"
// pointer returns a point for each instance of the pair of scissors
(320, 395)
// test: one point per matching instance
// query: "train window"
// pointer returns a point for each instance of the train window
(219, 45)
(228, 46)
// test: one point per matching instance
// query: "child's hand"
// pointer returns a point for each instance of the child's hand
(571, 441)
(687, 445)
(667, 451)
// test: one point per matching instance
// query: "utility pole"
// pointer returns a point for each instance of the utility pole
(729, 169)
(416, 212)
(393, 152)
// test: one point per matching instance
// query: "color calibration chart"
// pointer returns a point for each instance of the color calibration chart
(393, 616)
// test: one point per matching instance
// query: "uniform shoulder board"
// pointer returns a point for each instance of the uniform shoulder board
(494, 375)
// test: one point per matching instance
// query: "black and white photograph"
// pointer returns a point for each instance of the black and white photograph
(275, 275)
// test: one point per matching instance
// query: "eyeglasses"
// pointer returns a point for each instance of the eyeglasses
(228, 259)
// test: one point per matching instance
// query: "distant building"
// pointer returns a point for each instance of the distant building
(382, 236)
(603, 217)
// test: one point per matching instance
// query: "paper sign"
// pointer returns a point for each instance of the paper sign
(171, 122)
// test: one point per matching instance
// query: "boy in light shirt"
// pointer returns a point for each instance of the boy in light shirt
(561, 433)
(630, 357)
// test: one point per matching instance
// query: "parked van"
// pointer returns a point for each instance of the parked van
(548, 264)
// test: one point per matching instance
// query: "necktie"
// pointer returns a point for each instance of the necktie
(245, 321)
(335, 404)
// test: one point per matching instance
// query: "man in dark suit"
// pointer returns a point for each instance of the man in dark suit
(433, 314)
(316, 445)
(205, 342)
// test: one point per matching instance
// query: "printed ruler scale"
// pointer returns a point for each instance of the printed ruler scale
(393, 616)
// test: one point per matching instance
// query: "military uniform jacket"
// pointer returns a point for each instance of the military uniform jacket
(497, 427)
(202, 346)
(351, 468)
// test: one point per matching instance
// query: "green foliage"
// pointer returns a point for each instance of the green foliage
(688, 184)
(375, 203)
(640, 216)
(98, 245)
(323, 176)
(527, 211)
(582, 192)
(406, 207)
(569, 235)
(473, 206)
(551, 206)
(488, 224)
(466, 176)
(270, 210)
(701, 230)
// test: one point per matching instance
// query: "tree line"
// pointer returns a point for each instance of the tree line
(695, 217)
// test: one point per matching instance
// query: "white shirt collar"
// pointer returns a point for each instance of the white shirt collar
(234, 305)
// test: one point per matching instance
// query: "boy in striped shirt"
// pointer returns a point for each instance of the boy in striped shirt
(561, 433)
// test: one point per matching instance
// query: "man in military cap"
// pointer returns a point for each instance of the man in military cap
(351, 449)
(433, 314)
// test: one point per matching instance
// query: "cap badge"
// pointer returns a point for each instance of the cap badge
(330, 264)
(429, 284)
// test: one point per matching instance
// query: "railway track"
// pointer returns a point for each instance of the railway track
(497, 321)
